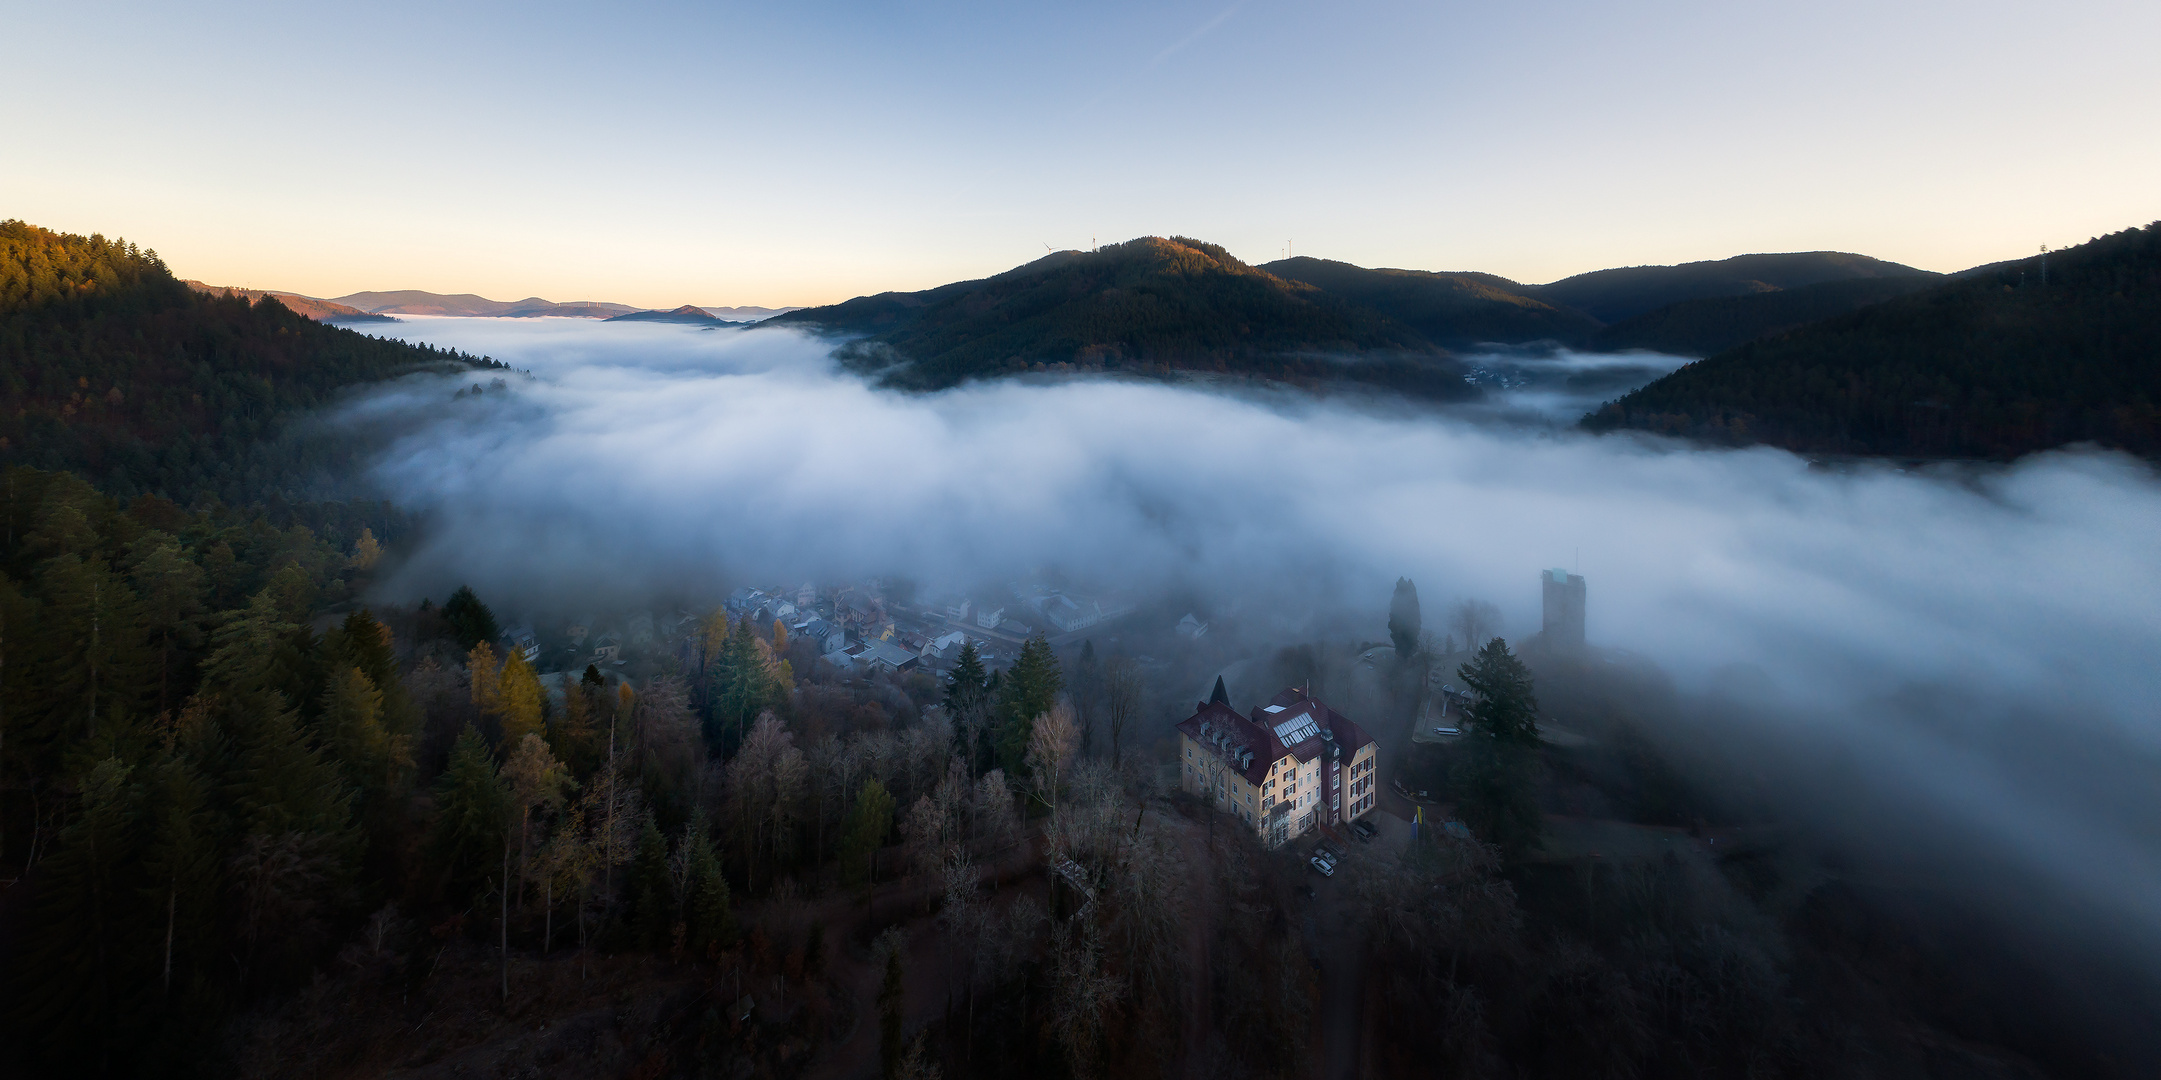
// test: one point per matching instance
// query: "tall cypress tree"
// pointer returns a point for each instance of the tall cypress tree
(1403, 618)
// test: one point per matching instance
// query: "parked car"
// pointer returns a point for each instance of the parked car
(1326, 868)
(1326, 856)
(1365, 830)
(1327, 849)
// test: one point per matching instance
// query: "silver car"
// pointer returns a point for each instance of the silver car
(1327, 869)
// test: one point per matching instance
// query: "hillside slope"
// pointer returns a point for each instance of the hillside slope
(1450, 309)
(417, 302)
(1988, 365)
(1615, 295)
(112, 367)
(1705, 327)
(320, 310)
(1147, 305)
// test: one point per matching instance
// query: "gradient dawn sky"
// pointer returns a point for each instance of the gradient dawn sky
(799, 153)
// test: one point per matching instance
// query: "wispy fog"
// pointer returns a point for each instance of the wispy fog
(2014, 601)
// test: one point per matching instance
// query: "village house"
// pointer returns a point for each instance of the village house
(1290, 766)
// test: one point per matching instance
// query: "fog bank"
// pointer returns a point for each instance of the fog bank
(643, 456)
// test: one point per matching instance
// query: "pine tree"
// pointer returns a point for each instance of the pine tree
(182, 879)
(745, 682)
(472, 811)
(1030, 689)
(365, 643)
(1087, 693)
(868, 823)
(967, 701)
(1496, 773)
(892, 1003)
(712, 911)
(95, 646)
(84, 958)
(651, 888)
(374, 761)
(470, 621)
(247, 644)
(280, 783)
(172, 592)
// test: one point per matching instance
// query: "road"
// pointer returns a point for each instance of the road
(1334, 936)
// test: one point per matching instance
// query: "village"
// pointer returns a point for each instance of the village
(877, 626)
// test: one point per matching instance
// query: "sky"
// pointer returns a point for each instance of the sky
(787, 154)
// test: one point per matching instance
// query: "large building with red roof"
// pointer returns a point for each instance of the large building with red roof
(1283, 769)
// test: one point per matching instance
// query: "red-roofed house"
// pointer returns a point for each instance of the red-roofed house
(1283, 768)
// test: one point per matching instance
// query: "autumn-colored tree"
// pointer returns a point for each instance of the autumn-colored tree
(366, 552)
(484, 676)
(519, 698)
(538, 784)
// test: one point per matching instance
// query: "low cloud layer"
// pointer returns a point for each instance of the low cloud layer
(674, 459)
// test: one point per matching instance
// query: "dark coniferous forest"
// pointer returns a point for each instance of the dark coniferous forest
(1999, 362)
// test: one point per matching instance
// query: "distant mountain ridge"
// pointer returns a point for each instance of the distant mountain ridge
(744, 313)
(418, 302)
(1622, 293)
(1154, 305)
(688, 315)
(1449, 309)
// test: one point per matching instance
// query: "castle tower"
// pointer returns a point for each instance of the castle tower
(1564, 610)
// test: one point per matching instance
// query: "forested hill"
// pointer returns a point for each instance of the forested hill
(1150, 305)
(111, 367)
(1992, 364)
(1451, 309)
(1611, 296)
(1715, 324)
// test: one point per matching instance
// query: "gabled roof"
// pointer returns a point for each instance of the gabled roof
(1227, 730)
(1292, 725)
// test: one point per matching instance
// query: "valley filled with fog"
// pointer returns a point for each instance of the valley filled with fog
(1974, 647)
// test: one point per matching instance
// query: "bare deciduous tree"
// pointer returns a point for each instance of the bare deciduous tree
(1475, 622)
(1051, 747)
(766, 783)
